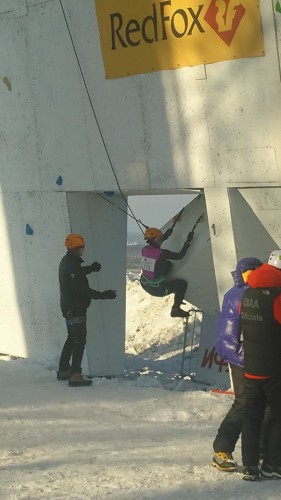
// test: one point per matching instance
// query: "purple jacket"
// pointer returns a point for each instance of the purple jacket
(228, 344)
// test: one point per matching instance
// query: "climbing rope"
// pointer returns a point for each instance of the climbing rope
(95, 116)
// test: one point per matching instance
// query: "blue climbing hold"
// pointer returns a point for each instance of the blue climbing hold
(109, 193)
(28, 230)
(59, 180)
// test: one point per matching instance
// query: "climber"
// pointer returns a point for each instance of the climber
(156, 268)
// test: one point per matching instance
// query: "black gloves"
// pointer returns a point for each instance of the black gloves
(96, 266)
(108, 294)
(190, 237)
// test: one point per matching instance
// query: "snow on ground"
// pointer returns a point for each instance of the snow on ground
(146, 435)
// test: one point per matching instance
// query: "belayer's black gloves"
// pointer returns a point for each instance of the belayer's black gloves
(108, 294)
(190, 237)
(96, 266)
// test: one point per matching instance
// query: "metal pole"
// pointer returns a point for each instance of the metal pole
(195, 311)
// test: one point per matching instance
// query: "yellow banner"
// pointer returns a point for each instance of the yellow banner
(143, 36)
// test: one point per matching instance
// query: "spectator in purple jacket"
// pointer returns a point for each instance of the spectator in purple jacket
(230, 347)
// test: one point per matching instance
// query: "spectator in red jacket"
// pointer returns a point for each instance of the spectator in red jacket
(260, 323)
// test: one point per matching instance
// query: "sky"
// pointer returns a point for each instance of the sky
(155, 210)
(145, 435)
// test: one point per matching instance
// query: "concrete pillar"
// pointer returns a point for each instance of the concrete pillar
(211, 368)
(104, 228)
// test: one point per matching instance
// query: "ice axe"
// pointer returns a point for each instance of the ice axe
(191, 233)
(175, 220)
(177, 217)
(200, 219)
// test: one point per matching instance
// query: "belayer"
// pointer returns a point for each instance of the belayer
(75, 298)
(156, 268)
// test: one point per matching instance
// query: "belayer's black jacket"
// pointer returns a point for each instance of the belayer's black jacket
(75, 292)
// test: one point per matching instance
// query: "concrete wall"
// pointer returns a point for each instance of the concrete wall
(30, 320)
(212, 127)
(208, 126)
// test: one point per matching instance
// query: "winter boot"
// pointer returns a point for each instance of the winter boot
(76, 380)
(251, 473)
(271, 471)
(224, 461)
(177, 312)
(63, 375)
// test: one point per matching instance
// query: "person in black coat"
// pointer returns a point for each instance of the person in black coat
(229, 346)
(75, 298)
(260, 325)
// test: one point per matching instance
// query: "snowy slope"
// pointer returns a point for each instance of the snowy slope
(122, 439)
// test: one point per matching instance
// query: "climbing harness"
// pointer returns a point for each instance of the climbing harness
(151, 282)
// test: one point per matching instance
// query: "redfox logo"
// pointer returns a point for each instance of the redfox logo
(154, 26)
(154, 35)
(224, 16)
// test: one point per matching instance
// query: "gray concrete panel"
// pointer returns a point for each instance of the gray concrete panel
(31, 322)
(103, 227)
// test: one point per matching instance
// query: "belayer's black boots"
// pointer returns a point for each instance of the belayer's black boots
(177, 312)
(76, 380)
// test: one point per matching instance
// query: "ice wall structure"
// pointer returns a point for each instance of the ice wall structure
(195, 109)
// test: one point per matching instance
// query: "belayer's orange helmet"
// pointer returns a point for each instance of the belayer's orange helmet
(73, 240)
(152, 232)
